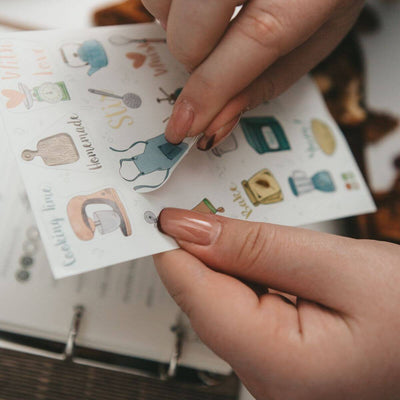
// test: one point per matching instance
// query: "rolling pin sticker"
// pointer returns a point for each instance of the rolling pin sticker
(55, 150)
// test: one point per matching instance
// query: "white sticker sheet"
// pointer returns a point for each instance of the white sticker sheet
(85, 113)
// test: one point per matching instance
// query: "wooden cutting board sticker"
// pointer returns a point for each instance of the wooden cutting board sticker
(55, 150)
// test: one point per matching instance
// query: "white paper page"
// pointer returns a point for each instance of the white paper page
(286, 163)
(127, 309)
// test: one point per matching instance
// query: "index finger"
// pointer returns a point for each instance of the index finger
(264, 31)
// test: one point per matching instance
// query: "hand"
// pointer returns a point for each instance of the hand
(237, 65)
(339, 340)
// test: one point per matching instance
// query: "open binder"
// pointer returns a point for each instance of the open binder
(69, 352)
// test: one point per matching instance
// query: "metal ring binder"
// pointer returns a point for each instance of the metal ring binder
(73, 332)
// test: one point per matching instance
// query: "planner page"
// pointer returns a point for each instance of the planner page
(85, 113)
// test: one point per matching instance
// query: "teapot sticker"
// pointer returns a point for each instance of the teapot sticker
(55, 150)
(263, 188)
(101, 212)
(90, 53)
(301, 184)
(158, 155)
(48, 92)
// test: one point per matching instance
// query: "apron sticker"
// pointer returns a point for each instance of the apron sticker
(158, 155)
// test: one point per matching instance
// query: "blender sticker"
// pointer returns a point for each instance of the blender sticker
(301, 183)
(48, 92)
(90, 54)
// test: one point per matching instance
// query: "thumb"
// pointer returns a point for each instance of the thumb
(322, 268)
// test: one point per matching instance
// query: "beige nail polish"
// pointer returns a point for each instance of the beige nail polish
(189, 226)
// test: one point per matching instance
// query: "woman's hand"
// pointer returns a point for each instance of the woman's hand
(340, 339)
(237, 65)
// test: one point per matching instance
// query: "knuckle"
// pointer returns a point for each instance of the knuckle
(256, 247)
(187, 55)
(263, 27)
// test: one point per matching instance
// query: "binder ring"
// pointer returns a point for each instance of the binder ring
(73, 332)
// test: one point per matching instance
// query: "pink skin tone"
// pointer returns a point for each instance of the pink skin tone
(236, 65)
(327, 329)
(297, 314)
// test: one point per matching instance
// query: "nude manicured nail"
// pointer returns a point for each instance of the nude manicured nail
(180, 122)
(210, 140)
(189, 226)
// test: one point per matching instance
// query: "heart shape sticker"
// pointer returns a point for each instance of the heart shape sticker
(15, 98)
(138, 59)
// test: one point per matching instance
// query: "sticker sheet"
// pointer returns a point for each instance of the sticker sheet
(85, 113)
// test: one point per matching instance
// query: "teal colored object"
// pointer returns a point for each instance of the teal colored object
(158, 155)
(94, 54)
(323, 181)
(301, 184)
(264, 134)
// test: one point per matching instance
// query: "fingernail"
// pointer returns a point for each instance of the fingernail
(213, 139)
(189, 226)
(163, 24)
(180, 122)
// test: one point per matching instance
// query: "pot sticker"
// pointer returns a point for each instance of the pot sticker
(55, 150)
(263, 188)
(324, 136)
(48, 92)
(264, 134)
(108, 214)
(227, 146)
(158, 155)
(301, 184)
(89, 53)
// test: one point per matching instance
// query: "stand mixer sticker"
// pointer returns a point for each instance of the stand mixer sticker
(48, 92)
(101, 212)
(263, 188)
(264, 134)
(90, 53)
(158, 155)
(301, 183)
(54, 150)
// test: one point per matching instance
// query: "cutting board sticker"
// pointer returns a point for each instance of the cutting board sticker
(98, 169)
